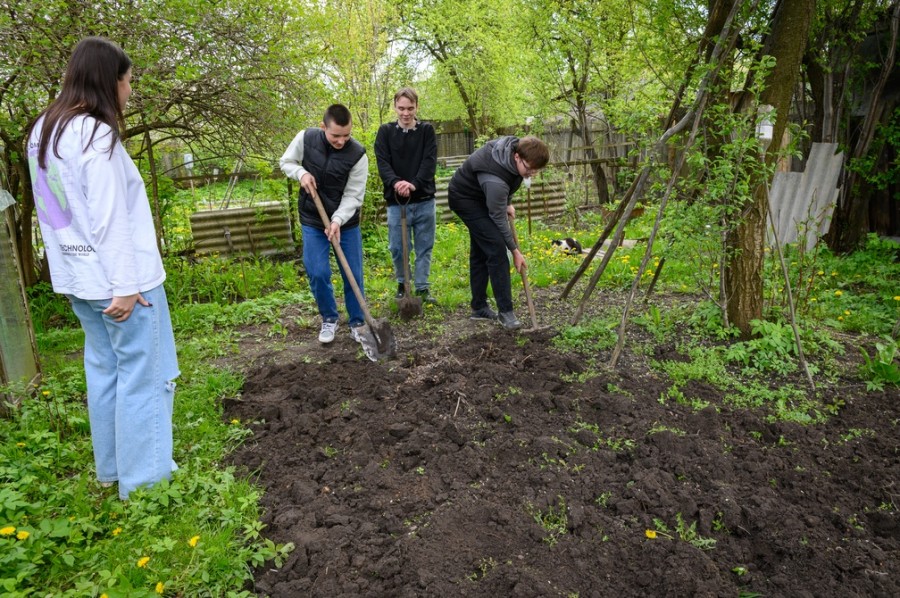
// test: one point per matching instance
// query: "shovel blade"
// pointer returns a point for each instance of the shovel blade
(409, 307)
(379, 344)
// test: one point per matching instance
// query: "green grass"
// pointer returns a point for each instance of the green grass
(78, 539)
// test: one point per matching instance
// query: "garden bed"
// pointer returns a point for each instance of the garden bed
(483, 462)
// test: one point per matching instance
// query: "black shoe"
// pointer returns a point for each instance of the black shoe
(509, 320)
(483, 313)
(401, 291)
(426, 296)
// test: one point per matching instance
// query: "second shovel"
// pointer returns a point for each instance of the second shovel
(409, 306)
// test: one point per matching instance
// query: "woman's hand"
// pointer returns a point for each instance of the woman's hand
(121, 307)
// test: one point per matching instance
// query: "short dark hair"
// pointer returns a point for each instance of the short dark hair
(534, 151)
(90, 86)
(337, 114)
(409, 93)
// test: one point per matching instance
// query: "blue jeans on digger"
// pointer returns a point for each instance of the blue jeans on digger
(317, 261)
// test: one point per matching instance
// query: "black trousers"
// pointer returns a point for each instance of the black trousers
(488, 260)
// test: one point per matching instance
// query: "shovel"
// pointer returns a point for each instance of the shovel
(534, 322)
(409, 306)
(378, 341)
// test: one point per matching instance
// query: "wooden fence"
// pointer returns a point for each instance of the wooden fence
(545, 198)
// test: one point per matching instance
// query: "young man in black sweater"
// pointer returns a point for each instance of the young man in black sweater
(406, 151)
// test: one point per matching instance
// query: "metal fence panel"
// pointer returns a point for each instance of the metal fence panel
(261, 230)
(803, 202)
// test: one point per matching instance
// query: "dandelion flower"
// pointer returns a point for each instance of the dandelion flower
(840, 318)
(104, 595)
(834, 273)
(46, 393)
(813, 300)
(7, 531)
(117, 531)
(821, 272)
(846, 312)
(142, 562)
(193, 541)
(235, 421)
(20, 444)
(838, 293)
(896, 297)
(160, 587)
(650, 534)
(23, 535)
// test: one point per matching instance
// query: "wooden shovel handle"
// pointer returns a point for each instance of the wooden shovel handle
(342, 259)
(534, 322)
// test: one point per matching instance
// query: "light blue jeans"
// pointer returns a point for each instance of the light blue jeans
(129, 368)
(316, 260)
(420, 225)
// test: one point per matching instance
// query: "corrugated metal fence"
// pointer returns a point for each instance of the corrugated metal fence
(803, 202)
(261, 230)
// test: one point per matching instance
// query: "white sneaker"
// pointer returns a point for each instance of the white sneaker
(326, 334)
(354, 333)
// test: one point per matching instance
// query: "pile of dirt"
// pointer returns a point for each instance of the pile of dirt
(490, 463)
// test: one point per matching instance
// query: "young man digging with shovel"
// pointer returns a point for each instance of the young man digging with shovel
(480, 194)
(329, 163)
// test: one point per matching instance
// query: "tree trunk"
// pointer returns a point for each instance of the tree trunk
(24, 223)
(154, 195)
(746, 241)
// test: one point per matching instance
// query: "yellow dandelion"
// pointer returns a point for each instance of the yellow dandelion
(838, 293)
(834, 273)
(235, 421)
(117, 531)
(104, 595)
(821, 272)
(840, 318)
(46, 393)
(650, 534)
(193, 541)
(160, 587)
(846, 312)
(20, 444)
(813, 300)
(23, 535)
(142, 562)
(7, 531)
(896, 297)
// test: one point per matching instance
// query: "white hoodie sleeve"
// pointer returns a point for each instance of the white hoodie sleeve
(291, 162)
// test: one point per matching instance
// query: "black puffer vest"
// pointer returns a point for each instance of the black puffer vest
(464, 184)
(331, 168)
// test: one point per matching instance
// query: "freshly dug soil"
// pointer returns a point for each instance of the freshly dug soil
(484, 462)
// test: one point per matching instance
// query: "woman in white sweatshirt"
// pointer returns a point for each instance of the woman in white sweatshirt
(100, 242)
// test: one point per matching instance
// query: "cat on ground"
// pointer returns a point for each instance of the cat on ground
(568, 245)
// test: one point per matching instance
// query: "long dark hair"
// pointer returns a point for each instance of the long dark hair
(90, 86)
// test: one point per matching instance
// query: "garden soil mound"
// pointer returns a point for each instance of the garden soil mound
(491, 463)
